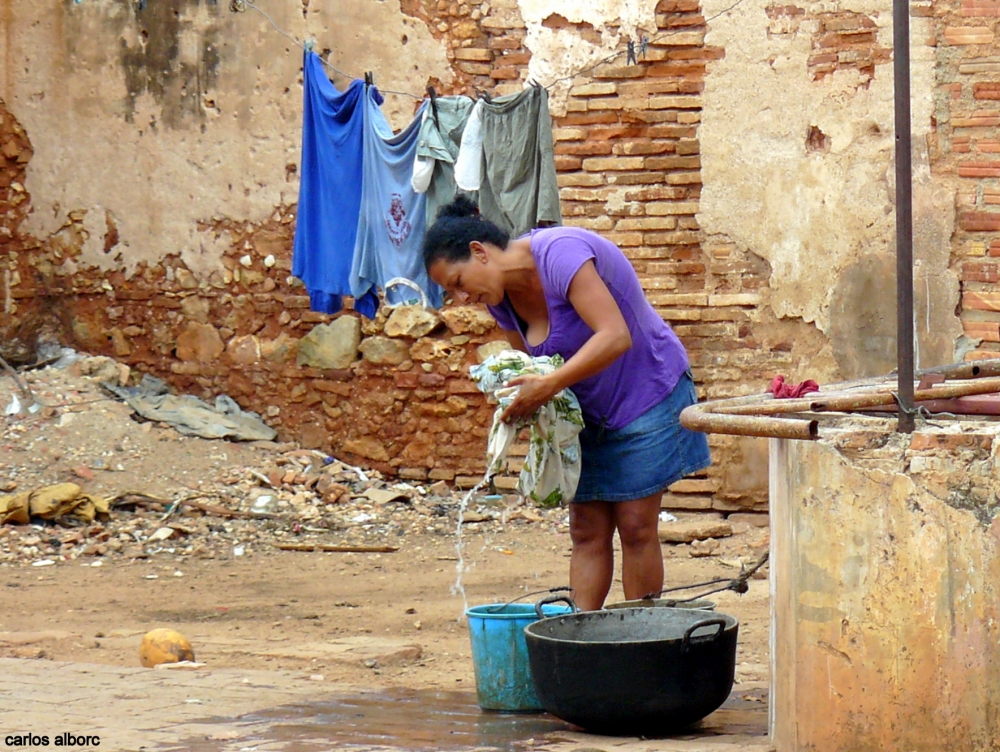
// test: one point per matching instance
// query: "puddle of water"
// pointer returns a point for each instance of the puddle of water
(416, 721)
(400, 719)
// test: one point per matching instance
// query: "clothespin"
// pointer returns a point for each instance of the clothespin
(630, 58)
(484, 96)
(309, 45)
(369, 78)
(643, 46)
(434, 106)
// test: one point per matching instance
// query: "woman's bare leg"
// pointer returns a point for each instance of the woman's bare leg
(591, 566)
(642, 560)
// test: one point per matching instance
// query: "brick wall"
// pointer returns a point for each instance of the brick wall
(968, 154)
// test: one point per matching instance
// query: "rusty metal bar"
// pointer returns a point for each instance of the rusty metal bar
(904, 214)
(976, 369)
(848, 402)
(695, 418)
(966, 371)
(756, 415)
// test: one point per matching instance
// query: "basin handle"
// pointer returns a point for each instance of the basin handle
(688, 640)
(554, 599)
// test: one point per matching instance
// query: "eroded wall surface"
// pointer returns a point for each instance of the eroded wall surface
(797, 137)
(885, 563)
(151, 122)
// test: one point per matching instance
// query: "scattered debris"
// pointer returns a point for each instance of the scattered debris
(707, 547)
(164, 646)
(190, 415)
(52, 503)
(325, 548)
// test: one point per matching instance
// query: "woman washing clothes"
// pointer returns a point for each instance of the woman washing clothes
(568, 291)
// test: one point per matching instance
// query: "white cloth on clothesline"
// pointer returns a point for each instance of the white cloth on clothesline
(469, 164)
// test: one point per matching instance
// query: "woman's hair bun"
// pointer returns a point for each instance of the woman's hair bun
(462, 206)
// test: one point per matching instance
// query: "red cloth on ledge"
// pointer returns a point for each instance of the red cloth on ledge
(781, 390)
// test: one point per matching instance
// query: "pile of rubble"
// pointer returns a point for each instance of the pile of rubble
(292, 499)
(337, 508)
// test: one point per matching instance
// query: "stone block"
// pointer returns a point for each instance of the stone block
(411, 321)
(981, 301)
(646, 223)
(695, 486)
(199, 343)
(384, 351)
(962, 35)
(987, 331)
(603, 164)
(737, 299)
(475, 54)
(685, 501)
(685, 531)
(491, 348)
(467, 319)
(244, 350)
(475, 69)
(949, 442)
(754, 519)
(593, 90)
(662, 208)
(367, 447)
(334, 345)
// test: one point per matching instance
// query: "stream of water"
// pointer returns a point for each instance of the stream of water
(458, 588)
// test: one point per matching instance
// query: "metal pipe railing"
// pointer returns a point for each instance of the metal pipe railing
(760, 415)
(904, 214)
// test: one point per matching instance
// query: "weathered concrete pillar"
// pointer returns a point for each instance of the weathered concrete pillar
(885, 574)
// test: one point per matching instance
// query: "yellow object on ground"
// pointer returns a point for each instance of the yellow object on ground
(50, 503)
(164, 646)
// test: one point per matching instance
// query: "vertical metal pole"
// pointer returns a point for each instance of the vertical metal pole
(904, 214)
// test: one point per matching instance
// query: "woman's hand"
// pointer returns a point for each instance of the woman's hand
(534, 392)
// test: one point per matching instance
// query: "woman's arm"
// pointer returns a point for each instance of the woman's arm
(594, 303)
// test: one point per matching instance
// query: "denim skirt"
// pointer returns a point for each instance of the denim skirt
(645, 456)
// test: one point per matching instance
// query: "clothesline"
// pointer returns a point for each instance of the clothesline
(367, 194)
(239, 6)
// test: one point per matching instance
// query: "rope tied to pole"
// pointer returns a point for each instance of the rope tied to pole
(738, 584)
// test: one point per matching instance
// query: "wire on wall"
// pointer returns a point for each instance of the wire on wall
(240, 6)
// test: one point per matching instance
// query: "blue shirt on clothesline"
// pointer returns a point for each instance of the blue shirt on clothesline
(331, 176)
(393, 218)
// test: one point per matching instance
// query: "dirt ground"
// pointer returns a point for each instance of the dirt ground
(89, 591)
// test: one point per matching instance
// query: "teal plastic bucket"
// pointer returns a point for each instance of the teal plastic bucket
(500, 655)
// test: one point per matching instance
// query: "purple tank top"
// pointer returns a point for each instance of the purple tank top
(642, 377)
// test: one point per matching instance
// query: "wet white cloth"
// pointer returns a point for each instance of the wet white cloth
(469, 164)
(423, 166)
(551, 470)
(423, 170)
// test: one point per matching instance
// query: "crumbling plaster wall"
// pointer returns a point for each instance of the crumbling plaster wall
(798, 168)
(884, 566)
(154, 121)
(558, 48)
